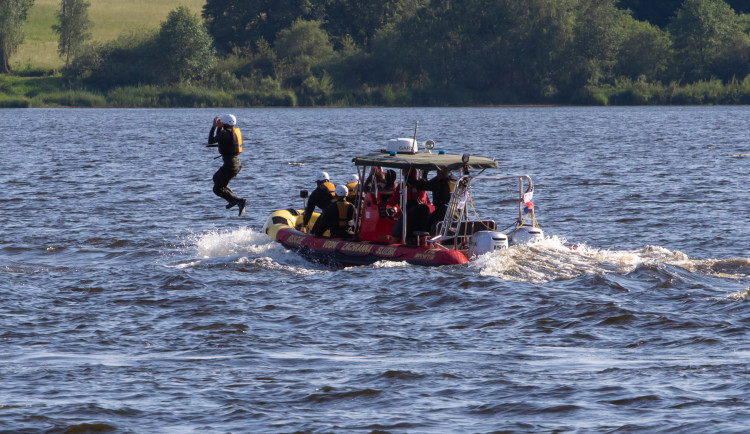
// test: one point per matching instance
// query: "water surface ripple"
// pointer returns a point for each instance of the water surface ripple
(132, 301)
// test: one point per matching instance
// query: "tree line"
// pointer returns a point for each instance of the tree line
(425, 52)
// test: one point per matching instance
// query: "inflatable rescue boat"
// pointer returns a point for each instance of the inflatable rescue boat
(458, 237)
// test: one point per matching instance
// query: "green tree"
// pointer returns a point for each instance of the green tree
(516, 49)
(543, 47)
(241, 23)
(646, 51)
(300, 48)
(701, 30)
(127, 60)
(12, 16)
(660, 12)
(361, 19)
(655, 12)
(185, 46)
(73, 27)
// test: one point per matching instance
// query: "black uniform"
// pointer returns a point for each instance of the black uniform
(336, 217)
(321, 197)
(441, 197)
(231, 167)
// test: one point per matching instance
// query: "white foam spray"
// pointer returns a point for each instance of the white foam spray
(550, 259)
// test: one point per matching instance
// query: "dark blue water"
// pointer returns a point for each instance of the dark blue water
(132, 301)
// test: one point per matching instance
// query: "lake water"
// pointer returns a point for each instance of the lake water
(132, 301)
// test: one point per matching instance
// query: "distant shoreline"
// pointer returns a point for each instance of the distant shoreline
(57, 92)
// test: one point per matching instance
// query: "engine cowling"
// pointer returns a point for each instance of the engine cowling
(487, 241)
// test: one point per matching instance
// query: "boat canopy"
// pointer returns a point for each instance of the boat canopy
(425, 161)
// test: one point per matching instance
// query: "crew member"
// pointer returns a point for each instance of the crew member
(338, 217)
(416, 201)
(227, 137)
(320, 197)
(441, 188)
(351, 185)
(376, 178)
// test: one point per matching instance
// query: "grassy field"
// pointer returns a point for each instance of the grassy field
(110, 18)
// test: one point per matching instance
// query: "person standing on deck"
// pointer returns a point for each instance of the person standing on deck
(441, 187)
(416, 200)
(228, 139)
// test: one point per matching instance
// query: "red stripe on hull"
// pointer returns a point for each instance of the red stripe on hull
(349, 252)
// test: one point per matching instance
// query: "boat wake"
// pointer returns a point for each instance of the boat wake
(740, 295)
(551, 259)
(547, 260)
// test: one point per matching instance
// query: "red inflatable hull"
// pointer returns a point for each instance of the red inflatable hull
(334, 251)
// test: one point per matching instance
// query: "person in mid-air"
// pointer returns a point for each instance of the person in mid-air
(228, 138)
(320, 197)
(338, 217)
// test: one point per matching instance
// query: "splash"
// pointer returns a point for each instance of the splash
(242, 241)
(390, 264)
(182, 265)
(736, 268)
(245, 246)
(740, 295)
(293, 263)
(550, 259)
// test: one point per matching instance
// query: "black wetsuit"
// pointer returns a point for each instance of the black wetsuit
(441, 197)
(231, 166)
(331, 219)
(320, 197)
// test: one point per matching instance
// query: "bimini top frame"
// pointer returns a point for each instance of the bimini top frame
(457, 215)
(425, 161)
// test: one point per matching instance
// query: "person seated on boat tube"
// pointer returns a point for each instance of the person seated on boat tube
(352, 184)
(338, 217)
(321, 197)
(441, 188)
(415, 198)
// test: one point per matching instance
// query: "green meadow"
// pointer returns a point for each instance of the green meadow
(110, 18)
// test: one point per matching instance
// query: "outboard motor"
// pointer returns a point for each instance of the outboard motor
(525, 235)
(487, 241)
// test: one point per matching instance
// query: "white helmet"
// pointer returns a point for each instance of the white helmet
(342, 191)
(322, 177)
(229, 120)
(353, 178)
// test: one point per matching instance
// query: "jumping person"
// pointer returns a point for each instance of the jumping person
(228, 139)
(320, 197)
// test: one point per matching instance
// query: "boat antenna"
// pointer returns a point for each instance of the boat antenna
(415, 132)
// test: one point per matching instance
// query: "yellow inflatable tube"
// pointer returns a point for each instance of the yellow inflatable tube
(287, 218)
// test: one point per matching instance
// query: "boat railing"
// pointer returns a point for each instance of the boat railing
(457, 228)
(521, 191)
